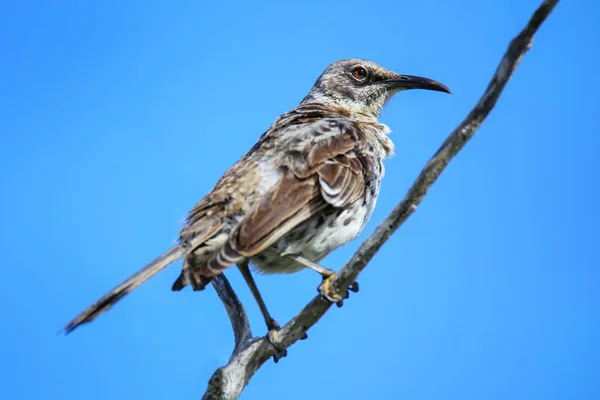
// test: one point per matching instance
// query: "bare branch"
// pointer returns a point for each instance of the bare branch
(235, 310)
(229, 381)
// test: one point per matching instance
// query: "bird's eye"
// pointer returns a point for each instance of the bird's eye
(360, 73)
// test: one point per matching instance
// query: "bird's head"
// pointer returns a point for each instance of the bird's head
(364, 87)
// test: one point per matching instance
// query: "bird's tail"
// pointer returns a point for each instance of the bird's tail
(108, 300)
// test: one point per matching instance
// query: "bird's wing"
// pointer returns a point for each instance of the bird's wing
(325, 169)
(201, 218)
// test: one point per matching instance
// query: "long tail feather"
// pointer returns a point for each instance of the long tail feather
(106, 302)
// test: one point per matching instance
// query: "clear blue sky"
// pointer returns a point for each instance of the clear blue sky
(117, 116)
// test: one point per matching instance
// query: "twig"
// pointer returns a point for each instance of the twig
(229, 381)
(235, 310)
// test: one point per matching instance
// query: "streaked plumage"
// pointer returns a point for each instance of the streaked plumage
(308, 186)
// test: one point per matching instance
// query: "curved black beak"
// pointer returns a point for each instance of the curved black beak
(405, 82)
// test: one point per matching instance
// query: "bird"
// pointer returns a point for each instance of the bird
(308, 186)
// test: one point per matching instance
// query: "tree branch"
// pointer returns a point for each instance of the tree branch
(250, 353)
(235, 310)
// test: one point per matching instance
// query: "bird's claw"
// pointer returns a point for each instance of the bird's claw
(326, 290)
(278, 351)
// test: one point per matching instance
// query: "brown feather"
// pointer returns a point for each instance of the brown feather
(291, 202)
(323, 157)
(329, 176)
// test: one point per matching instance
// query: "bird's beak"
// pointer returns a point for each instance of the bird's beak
(405, 82)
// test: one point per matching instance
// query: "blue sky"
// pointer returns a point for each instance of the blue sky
(117, 116)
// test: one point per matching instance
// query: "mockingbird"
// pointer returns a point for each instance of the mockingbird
(307, 186)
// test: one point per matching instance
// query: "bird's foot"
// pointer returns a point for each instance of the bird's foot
(278, 351)
(325, 288)
(329, 292)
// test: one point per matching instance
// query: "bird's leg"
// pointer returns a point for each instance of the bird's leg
(272, 325)
(325, 287)
(245, 270)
